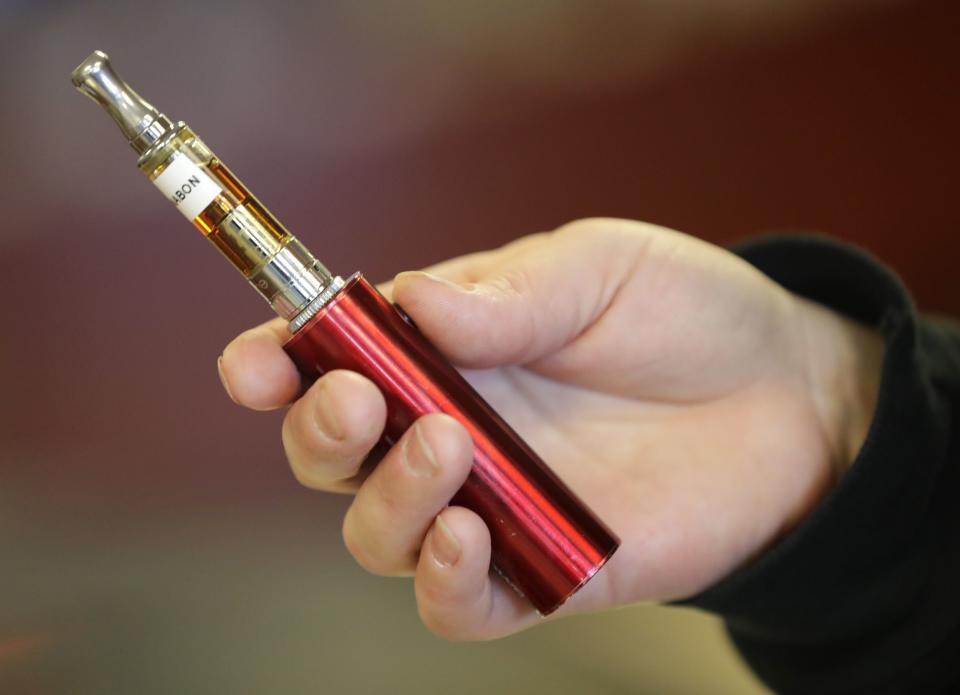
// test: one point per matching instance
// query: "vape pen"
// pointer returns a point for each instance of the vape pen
(546, 543)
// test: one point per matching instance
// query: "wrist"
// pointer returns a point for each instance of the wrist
(843, 360)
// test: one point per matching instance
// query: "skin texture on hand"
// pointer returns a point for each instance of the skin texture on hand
(698, 407)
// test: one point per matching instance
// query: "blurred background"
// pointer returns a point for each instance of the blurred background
(152, 539)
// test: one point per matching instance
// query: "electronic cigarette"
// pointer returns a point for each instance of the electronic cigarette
(546, 542)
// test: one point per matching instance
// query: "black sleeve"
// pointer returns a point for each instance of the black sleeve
(864, 596)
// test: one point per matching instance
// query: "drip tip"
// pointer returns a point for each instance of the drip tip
(139, 121)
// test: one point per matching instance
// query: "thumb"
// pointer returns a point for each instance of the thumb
(510, 317)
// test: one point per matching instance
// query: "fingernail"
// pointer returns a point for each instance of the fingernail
(446, 547)
(223, 378)
(419, 458)
(326, 417)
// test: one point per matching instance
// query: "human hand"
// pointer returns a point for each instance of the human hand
(698, 407)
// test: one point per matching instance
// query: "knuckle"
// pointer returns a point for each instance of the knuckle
(581, 233)
(303, 477)
(524, 243)
(303, 471)
(291, 450)
(584, 225)
(356, 543)
(591, 230)
(314, 460)
(298, 440)
(373, 557)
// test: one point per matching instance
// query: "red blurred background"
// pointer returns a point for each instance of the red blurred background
(152, 537)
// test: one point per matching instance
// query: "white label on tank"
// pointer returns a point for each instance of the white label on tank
(187, 186)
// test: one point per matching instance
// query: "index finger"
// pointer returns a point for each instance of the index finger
(258, 374)
(255, 370)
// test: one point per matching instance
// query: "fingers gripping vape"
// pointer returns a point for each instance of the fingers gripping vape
(546, 543)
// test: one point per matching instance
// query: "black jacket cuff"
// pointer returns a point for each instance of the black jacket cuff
(857, 598)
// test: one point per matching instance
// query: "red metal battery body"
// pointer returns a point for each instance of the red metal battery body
(545, 541)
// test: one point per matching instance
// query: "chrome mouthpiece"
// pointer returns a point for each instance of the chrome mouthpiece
(140, 122)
